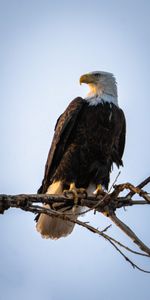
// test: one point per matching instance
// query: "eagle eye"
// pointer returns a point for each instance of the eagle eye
(97, 75)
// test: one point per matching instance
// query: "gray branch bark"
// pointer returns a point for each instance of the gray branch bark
(106, 203)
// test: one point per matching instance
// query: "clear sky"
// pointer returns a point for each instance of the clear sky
(45, 47)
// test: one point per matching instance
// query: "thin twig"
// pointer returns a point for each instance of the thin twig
(113, 184)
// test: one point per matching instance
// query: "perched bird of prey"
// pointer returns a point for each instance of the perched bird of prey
(89, 137)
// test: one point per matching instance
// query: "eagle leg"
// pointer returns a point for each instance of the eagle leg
(99, 190)
(74, 192)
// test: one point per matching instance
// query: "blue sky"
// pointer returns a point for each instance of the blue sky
(45, 47)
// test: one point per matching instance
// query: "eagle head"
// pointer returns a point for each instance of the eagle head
(100, 83)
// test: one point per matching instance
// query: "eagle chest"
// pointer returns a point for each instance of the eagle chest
(96, 125)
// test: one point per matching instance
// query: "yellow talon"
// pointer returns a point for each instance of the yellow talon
(99, 190)
(73, 191)
(72, 186)
(106, 213)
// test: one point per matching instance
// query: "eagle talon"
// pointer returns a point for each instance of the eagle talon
(71, 194)
(82, 191)
(107, 211)
(99, 191)
(68, 194)
(74, 192)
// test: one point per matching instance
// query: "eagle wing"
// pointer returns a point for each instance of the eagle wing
(63, 129)
(121, 142)
(120, 135)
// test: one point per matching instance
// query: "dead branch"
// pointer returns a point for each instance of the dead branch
(129, 233)
(106, 203)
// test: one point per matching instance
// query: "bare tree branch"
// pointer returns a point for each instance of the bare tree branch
(106, 203)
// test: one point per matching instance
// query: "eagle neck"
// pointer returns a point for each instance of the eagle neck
(98, 99)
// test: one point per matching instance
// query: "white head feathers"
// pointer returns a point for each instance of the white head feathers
(103, 87)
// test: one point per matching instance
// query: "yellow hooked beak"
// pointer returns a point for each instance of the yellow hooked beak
(86, 78)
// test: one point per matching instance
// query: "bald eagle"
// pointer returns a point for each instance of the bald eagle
(89, 137)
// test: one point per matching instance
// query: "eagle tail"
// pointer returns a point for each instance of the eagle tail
(52, 227)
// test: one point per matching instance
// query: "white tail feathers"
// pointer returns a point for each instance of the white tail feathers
(52, 227)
